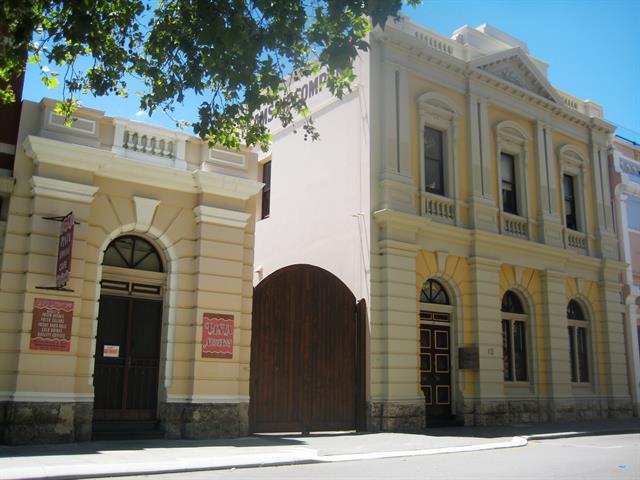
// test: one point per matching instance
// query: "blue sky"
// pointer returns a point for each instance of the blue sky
(592, 48)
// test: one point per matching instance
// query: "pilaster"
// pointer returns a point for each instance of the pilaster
(554, 346)
(37, 268)
(605, 232)
(549, 221)
(220, 288)
(394, 359)
(482, 204)
(611, 343)
(485, 288)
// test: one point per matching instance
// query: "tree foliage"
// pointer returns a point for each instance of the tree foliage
(235, 55)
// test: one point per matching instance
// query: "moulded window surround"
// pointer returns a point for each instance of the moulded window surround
(572, 176)
(512, 164)
(514, 339)
(438, 189)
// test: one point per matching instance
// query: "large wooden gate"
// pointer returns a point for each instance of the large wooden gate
(307, 353)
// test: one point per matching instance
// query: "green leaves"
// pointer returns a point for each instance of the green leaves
(235, 55)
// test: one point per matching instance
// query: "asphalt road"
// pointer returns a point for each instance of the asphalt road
(595, 457)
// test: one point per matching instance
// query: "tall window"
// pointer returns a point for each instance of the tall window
(433, 161)
(266, 190)
(569, 202)
(514, 338)
(509, 195)
(578, 349)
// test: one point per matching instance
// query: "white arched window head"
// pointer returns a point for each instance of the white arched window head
(514, 338)
(572, 186)
(512, 162)
(438, 159)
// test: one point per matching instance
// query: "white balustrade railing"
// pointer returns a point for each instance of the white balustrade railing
(153, 145)
(440, 208)
(514, 225)
(147, 143)
(586, 107)
(575, 240)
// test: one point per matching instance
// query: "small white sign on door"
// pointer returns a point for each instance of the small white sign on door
(111, 351)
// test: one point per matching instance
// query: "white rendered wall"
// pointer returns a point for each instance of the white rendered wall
(320, 193)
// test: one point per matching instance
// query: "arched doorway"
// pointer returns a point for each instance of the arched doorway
(307, 353)
(127, 356)
(435, 352)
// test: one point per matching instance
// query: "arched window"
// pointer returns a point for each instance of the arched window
(514, 338)
(433, 292)
(578, 330)
(511, 303)
(130, 251)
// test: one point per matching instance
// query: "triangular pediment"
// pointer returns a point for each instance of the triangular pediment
(514, 66)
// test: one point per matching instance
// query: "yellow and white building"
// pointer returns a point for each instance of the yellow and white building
(468, 201)
(163, 243)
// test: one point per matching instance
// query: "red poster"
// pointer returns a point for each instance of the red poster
(51, 326)
(217, 335)
(64, 251)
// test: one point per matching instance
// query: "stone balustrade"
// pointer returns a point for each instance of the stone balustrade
(514, 225)
(147, 143)
(585, 107)
(575, 240)
(440, 208)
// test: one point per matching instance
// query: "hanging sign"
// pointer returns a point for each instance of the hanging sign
(217, 335)
(65, 244)
(51, 325)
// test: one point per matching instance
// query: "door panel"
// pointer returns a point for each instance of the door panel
(126, 386)
(435, 370)
(303, 353)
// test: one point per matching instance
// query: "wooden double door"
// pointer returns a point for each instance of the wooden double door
(307, 353)
(127, 358)
(435, 366)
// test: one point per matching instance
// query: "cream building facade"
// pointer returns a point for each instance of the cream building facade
(468, 202)
(163, 243)
(625, 184)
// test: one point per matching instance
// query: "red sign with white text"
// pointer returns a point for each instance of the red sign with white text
(65, 245)
(217, 335)
(51, 325)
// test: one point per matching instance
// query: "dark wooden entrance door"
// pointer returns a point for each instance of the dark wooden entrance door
(435, 366)
(127, 358)
(306, 353)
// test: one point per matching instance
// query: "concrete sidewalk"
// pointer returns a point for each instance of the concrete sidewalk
(103, 459)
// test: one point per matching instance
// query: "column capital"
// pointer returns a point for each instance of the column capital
(221, 216)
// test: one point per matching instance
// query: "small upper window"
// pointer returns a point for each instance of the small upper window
(130, 251)
(433, 161)
(508, 173)
(571, 219)
(433, 292)
(574, 311)
(266, 190)
(511, 303)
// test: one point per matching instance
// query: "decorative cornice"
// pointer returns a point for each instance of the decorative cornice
(104, 163)
(235, 187)
(221, 216)
(61, 190)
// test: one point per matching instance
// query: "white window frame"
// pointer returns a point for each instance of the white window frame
(440, 113)
(512, 139)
